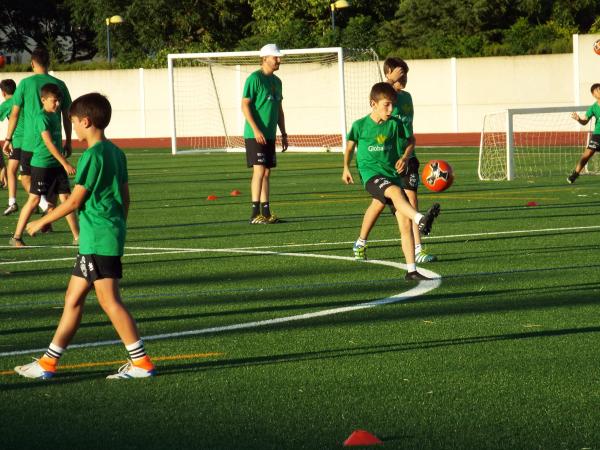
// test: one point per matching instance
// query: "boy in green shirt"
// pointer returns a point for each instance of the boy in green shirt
(396, 73)
(378, 138)
(8, 88)
(594, 144)
(49, 167)
(101, 194)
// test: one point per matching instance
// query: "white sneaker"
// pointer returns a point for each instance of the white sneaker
(129, 370)
(34, 370)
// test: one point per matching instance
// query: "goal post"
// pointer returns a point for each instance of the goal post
(532, 142)
(324, 91)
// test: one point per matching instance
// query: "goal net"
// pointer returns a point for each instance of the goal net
(533, 142)
(324, 91)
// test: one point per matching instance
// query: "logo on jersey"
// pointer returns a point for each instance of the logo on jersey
(380, 138)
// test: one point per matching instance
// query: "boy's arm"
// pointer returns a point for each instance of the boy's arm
(582, 120)
(260, 138)
(68, 132)
(72, 203)
(47, 138)
(408, 151)
(281, 124)
(346, 175)
(126, 198)
(12, 124)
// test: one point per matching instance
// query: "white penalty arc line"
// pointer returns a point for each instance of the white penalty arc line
(422, 288)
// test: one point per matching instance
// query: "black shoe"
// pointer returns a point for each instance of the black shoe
(416, 276)
(571, 178)
(427, 220)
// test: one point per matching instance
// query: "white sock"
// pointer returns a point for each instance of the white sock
(418, 249)
(136, 350)
(12, 201)
(411, 267)
(418, 217)
(54, 351)
(43, 203)
(360, 242)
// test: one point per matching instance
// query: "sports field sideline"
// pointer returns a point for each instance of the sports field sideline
(272, 336)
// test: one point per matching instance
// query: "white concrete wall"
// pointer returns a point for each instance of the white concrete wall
(449, 95)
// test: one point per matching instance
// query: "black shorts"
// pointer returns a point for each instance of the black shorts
(97, 267)
(259, 154)
(594, 143)
(376, 186)
(15, 154)
(25, 162)
(410, 176)
(49, 181)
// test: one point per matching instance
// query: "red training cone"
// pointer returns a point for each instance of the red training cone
(235, 193)
(361, 438)
(531, 204)
(211, 197)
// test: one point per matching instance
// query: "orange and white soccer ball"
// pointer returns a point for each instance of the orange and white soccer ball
(437, 175)
(597, 47)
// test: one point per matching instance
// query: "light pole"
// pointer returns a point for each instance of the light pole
(339, 4)
(109, 21)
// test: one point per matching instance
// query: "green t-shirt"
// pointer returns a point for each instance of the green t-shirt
(594, 111)
(27, 96)
(5, 110)
(102, 171)
(377, 146)
(404, 110)
(46, 121)
(266, 95)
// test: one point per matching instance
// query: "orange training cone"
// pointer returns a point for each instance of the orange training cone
(361, 438)
(211, 197)
(235, 193)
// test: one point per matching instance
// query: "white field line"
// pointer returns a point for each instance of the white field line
(422, 288)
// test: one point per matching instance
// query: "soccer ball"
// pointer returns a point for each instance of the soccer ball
(437, 175)
(597, 47)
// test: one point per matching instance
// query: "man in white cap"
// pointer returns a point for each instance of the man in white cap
(261, 105)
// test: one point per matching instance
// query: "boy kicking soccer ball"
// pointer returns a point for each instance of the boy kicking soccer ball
(377, 138)
(101, 194)
(594, 144)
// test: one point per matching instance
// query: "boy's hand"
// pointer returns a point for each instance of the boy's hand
(575, 116)
(401, 165)
(284, 143)
(69, 169)
(260, 138)
(347, 176)
(34, 227)
(7, 147)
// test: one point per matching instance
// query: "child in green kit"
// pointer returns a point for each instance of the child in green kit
(49, 167)
(377, 137)
(594, 144)
(101, 194)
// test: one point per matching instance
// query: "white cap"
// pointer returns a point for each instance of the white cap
(270, 50)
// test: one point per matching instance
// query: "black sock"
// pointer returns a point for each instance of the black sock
(265, 209)
(255, 209)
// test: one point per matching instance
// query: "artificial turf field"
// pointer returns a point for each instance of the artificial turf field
(271, 337)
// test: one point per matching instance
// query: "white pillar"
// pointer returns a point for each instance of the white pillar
(576, 74)
(454, 93)
(142, 103)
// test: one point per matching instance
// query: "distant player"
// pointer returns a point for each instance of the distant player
(261, 105)
(594, 144)
(8, 88)
(101, 194)
(396, 73)
(49, 167)
(27, 102)
(377, 138)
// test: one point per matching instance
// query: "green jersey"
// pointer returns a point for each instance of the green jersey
(377, 147)
(404, 110)
(102, 171)
(46, 121)
(265, 91)
(594, 111)
(27, 97)
(5, 110)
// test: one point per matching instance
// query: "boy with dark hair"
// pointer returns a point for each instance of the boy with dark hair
(594, 144)
(101, 194)
(378, 137)
(261, 106)
(49, 167)
(396, 73)
(27, 103)
(8, 88)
